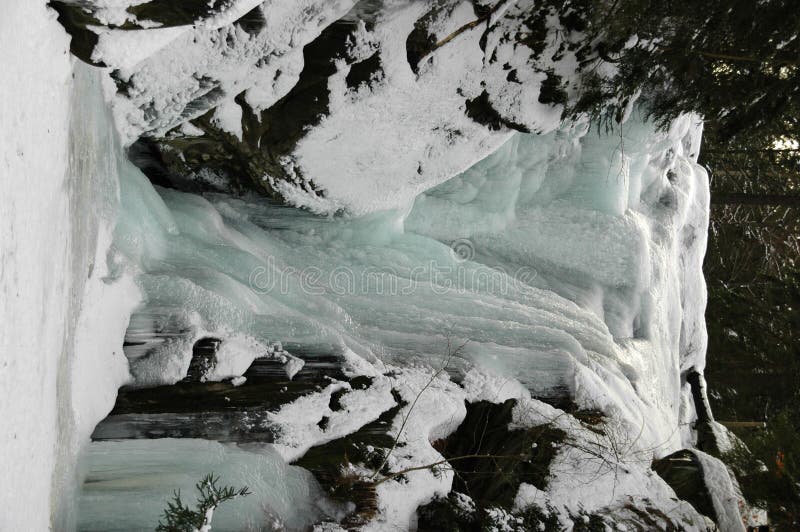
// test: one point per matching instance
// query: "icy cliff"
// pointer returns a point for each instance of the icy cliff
(565, 264)
(437, 241)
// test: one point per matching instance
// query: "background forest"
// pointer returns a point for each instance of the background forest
(753, 299)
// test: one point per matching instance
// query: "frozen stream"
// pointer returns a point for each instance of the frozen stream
(129, 483)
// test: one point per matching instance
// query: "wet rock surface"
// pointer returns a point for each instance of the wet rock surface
(491, 460)
(684, 473)
(217, 410)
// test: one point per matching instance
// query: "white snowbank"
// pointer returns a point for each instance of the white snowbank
(35, 258)
(177, 74)
(725, 495)
(64, 309)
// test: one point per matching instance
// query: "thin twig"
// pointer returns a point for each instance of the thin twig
(448, 357)
(446, 461)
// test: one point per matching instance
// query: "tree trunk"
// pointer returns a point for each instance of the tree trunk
(741, 198)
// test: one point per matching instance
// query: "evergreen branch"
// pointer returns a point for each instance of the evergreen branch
(180, 518)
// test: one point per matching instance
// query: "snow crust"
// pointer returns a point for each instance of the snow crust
(54, 215)
(360, 175)
(381, 145)
(375, 146)
(725, 494)
(64, 310)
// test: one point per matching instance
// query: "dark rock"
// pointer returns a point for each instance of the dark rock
(364, 72)
(76, 21)
(552, 90)
(706, 438)
(480, 109)
(253, 21)
(457, 512)
(79, 16)
(204, 358)
(218, 410)
(448, 514)
(684, 474)
(505, 457)
(171, 13)
(419, 42)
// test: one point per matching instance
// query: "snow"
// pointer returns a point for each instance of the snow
(299, 420)
(234, 355)
(293, 365)
(177, 74)
(360, 175)
(114, 11)
(481, 384)
(230, 13)
(125, 48)
(599, 469)
(724, 495)
(228, 117)
(35, 256)
(437, 411)
(376, 146)
(381, 145)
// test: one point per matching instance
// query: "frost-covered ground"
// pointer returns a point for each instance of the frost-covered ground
(565, 263)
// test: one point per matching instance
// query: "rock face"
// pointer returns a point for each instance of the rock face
(216, 410)
(684, 473)
(706, 483)
(316, 101)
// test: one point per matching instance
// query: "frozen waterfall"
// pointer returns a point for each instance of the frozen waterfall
(565, 267)
(567, 264)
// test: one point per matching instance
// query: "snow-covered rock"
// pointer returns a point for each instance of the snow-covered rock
(353, 106)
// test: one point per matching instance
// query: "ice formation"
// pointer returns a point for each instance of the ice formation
(151, 468)
(566, 262)
(581, 274)
(583, 259)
